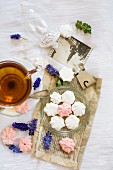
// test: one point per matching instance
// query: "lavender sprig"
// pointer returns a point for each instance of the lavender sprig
(20, 126)
(24, 127)
(16, 36)
(15, 149)
(32, 127)
(37, 83)
(47, 140)
(52, 71)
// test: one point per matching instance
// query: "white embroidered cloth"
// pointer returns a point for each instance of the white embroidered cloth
(99, 152)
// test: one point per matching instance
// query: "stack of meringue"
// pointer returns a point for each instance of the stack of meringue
(64, 106)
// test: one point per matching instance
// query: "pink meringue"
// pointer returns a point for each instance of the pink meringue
(64, 109)
(25, 144)
(23, 108)
(67, 144)
(8, 136)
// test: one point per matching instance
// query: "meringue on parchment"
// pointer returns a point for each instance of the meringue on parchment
(66, 74)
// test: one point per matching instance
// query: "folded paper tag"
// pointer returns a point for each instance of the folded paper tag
(84, 78)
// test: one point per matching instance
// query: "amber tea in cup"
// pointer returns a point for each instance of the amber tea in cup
(14, 87)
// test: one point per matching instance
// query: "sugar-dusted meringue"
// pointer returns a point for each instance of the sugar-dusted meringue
(57, 123)
(78, 108)
(51, 109)
(64, 109)
(67, 144)
(55, 97)
(68, 97)
(66, 74)
(72, 122)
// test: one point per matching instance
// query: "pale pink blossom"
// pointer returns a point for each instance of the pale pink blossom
(67, 144)
(8, 136)
(23, 108)
(64, 109)
(25, 144)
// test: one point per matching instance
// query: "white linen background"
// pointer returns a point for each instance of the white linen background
(99, 14)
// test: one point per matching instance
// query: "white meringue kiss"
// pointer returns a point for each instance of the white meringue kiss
(57, 123)
(78, 108)
(72, 122)
(66, 74)
(66, 31)
(51, 109)
(68, 97)
(55, 97)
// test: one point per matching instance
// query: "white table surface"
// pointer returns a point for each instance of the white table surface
(99, 14)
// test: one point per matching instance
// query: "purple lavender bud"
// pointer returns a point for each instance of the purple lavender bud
(20, 126)
(37, 83)
(32, 127)
(47, 140)
(15, 36)
(15, 149)
(52, 71)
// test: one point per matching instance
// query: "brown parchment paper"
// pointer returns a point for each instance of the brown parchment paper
(55, 154)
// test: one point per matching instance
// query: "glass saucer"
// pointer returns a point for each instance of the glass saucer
(83, 119)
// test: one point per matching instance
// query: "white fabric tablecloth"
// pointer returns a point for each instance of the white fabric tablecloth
(99, 14)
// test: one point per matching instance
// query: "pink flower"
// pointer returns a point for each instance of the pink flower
(23, 108)
(8, 136)
(25, 144)
(64, 109)
(67, 144)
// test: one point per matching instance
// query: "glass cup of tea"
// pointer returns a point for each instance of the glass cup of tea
(15, 88)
